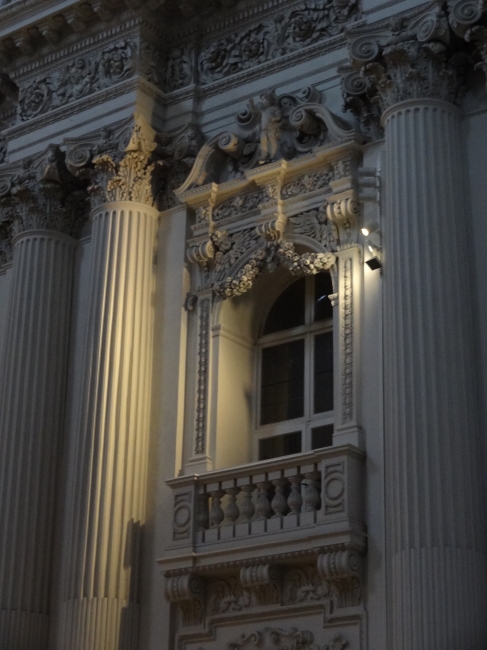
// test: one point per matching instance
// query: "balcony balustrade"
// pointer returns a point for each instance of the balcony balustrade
(291, 505)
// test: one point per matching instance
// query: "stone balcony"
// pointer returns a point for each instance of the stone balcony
(286, 507)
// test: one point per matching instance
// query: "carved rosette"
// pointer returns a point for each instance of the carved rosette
(43, 195)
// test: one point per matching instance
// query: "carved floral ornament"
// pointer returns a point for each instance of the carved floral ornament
(245, 179)
(77, 79)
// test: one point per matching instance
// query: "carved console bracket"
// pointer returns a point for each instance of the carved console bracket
(343, 569)
(188, 591)
(336, 576)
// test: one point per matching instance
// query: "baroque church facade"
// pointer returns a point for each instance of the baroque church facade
(243, 325)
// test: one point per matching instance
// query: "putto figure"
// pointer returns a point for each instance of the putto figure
(270, 116)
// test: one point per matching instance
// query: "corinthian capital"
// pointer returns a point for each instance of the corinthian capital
(468, 19)
(43, 195)
(121, 163)
(412, 58)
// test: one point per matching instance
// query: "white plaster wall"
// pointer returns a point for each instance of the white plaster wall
(171, 284)
(372, 422)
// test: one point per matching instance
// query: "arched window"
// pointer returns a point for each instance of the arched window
(295, 371)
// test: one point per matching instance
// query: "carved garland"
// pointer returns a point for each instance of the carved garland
(273, 254)
(202, 387)
(347, 343)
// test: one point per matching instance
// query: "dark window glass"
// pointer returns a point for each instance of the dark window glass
(282, 396)
(288, 310)
(284, 445)
(323, 289)
(322, 436)
(323, 373)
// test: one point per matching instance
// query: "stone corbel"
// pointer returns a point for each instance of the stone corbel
(263, 582)
(188, 592)
(343, 569)
(344, 212)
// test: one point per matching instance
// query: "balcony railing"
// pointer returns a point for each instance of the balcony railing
(294, 504)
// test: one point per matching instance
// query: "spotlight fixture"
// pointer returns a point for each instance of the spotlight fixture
(373, 241)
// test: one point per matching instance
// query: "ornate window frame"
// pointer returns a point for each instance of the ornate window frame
(263, 219)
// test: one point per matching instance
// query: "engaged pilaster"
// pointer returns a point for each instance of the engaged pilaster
(435, 542)
(107, 450)
(44, 206)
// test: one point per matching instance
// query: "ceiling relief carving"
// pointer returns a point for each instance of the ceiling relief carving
(80, 77)
(292, 30)
(284, 181)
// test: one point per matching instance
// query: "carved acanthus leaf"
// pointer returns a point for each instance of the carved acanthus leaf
(225, 596)
(412, 58)
(44, 195)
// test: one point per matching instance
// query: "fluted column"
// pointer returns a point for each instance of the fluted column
(32, 403)
(435, 515)
(108, 445)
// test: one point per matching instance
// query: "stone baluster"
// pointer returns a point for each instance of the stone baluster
(106, 456)
(311, 492)
(202, 514)
(216, 513)
(232, 511)
(435, 542)
(262, 506)
(295, 500)
(247, 508)
(279, 502)
(47, 208)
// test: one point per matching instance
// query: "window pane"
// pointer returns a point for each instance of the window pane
(323, 373)
(323, 289)
(322, 436)
(282, 396)
(284, 445)
(288, 310)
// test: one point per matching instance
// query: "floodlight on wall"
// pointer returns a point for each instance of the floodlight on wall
(373, 234)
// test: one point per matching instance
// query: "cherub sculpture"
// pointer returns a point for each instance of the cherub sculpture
(270, 124)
